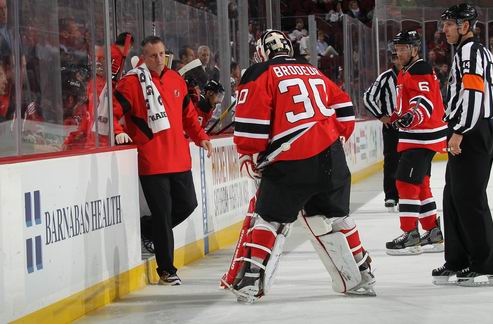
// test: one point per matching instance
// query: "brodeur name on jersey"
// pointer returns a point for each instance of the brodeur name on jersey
(290, 105)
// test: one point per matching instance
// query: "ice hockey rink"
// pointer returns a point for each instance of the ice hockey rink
(302, 292)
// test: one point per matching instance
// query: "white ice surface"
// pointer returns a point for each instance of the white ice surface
(302, 293)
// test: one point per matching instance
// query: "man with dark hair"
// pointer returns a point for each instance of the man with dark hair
(466, 214)
(212, 95)
(157, 110)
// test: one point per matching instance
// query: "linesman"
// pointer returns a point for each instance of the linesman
(467, 217)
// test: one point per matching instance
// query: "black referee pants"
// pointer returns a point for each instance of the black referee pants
(390, 162)
(467, 217)
(171, 199)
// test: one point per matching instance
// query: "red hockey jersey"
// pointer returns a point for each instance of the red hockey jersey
(290, 109)
(418, 90)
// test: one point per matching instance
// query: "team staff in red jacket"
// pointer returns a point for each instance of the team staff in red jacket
(422, 133)
(164, 156)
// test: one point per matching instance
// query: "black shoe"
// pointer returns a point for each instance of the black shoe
(468, 278)
(443, 276)
(168, 279)
(406, 244)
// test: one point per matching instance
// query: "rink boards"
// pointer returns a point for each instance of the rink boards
(70, 233)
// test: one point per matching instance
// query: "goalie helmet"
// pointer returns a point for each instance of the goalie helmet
(271, 43)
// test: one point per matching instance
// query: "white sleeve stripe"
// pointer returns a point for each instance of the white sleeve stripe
(342, 105)
(422, 97)
(252, 121)
(251, 135)
(349, 118)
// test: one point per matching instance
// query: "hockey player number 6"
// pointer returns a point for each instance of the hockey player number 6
(304, 97)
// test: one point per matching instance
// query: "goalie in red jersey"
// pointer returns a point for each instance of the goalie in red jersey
(294, 117)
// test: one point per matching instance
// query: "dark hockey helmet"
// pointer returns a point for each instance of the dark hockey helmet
(272, 42)
(408, 37)
(214, 86)
(460, 13)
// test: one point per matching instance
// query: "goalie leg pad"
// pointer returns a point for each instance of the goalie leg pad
(255, 259)
(334, 252)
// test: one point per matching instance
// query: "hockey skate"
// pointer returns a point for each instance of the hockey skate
(443, 276)
(247, 290)
(406, 244)
(391, 205)
(432, 240)
(365, 287)
(468, 278)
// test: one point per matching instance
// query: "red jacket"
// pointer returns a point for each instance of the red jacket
(284, 98)
(167, 151)
(418, 90)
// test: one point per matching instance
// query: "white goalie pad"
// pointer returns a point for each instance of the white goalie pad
(275, 257)
(334, 252)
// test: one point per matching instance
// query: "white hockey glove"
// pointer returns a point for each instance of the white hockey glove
(122, 138)
(248, 167)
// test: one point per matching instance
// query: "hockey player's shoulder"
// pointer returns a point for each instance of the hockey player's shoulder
(421, 68)
(254, 72)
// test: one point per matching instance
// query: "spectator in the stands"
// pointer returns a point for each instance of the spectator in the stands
(354, 10)
(439, 45)
(433, 59)
(335, 15)
(299, 31)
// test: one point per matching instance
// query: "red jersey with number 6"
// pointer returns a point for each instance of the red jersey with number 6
(290, 108)
(418, 90)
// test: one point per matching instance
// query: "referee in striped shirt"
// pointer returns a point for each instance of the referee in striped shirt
(380, 100)
(467, 217)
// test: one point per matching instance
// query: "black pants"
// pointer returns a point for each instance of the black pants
(390, 162)
(320, 185)
(171, 199)
(467, 217)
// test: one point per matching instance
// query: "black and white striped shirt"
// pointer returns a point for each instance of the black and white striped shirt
(470, 87)
(379, 99)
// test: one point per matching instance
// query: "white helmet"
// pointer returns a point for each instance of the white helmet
(271, 42)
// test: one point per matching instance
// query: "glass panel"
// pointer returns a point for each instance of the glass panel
(8, 124)
(63, 59)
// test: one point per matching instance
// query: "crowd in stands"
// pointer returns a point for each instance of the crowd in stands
(70, 99)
